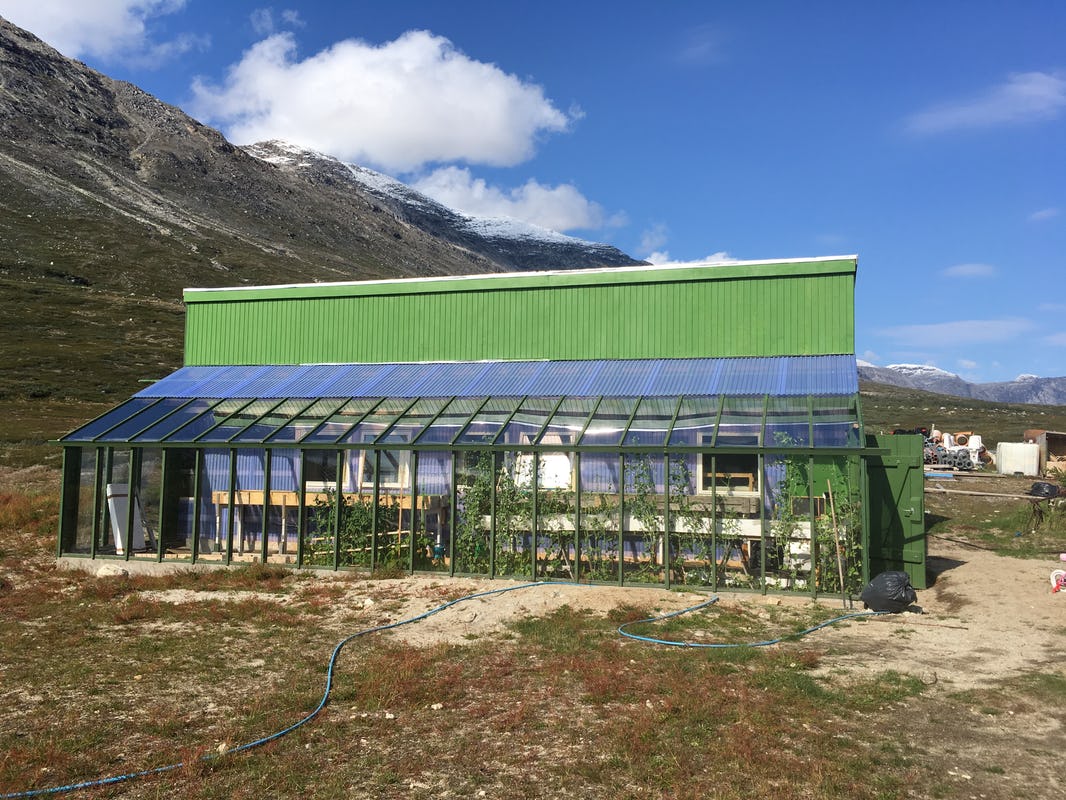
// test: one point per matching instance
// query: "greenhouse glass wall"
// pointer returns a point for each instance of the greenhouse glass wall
(716, 473)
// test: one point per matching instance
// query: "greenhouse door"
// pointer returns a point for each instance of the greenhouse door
(895, 512)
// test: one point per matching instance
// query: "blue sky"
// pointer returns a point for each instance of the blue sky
(928, 138)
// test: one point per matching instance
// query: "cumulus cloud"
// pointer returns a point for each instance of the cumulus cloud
(1044, 214)
(398, 106)
(106, 29)
(653, 239)
(961, 332)
(559, 208)
(1023, 97)
(971, 270)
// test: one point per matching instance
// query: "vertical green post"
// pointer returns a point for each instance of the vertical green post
(534, 521)
(197, 491)
(621, 517)
(165, 500)
(761, 466)
(812, 517)
(454, 489)
(414, 512)
(714, 517)
(338, 500)
(132, 499)
(230, 521)
(264, 548)
(492, 519)
(577, 517)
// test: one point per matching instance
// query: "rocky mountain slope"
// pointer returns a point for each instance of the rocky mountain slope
(113, 202)
(1027, 389)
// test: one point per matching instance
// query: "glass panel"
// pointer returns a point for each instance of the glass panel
(204, 422)
(81, 538)
(248, 505)
(741, 424)
(357, 514)
(450, 421)
(609, 421)
(144, 419)
(483, 428)
(238, 421)
(694, 550)
(410, 425)
(528, 421)
(514, 521)
(695, 422)
(178, 504)
(643, 537)
(378, 420)
(475, 474)
(213, 506)
(836, 422)
(340, 420)
(556, 554)
(652, 421)
(787, 422)
(146, 495)
(434, 520)
(171, 425)
(277, 416)
(599, 516)
(319, 506)
(306, 420)
(569, 420)
(112, 417)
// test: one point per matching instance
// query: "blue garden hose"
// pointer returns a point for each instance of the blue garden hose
(376, 629)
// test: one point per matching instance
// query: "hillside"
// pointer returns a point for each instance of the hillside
(1023, 389)
(114, 201)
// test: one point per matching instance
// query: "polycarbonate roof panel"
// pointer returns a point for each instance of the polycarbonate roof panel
(783, 376)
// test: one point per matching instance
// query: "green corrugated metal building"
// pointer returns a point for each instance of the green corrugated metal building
(696, 425)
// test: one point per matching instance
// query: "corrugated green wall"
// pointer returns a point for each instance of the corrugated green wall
(750, 309)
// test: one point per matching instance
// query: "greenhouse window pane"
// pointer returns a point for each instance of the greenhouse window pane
(144, 419)
(610, 420)
(408, 427)
(110, 419)
(836, 422)
(696, 421)
(175, 423)
(239, 421)
(270, 422)
(340, 421)
(741, 423)
(569, 420)
(488, 421)
(787, 422)
(305, 421)
(378, 420)
(652, 421)
(528, 421)
(451, 420)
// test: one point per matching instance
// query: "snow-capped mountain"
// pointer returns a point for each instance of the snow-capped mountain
(509, 242)
(1023, 389)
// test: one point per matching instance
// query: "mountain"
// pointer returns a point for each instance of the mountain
(113, 202)
(1027, 389)
(510, 243)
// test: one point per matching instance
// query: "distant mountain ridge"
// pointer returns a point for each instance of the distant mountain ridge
(509, 242)
(1027, 389)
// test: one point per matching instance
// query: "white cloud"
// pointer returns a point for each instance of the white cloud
(1023, 97)
(398, 106)
(966, 363)
(662, 259)
(264, 24)
(105, 29)
(1044, 214)
(972, 270)
(559, 208)
(653, 239)
(961, 332)
(1056, 339)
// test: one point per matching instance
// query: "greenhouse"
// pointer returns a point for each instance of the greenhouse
(744, 471)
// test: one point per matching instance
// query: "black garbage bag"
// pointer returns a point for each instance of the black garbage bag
(890, 591)
(1042, 489)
